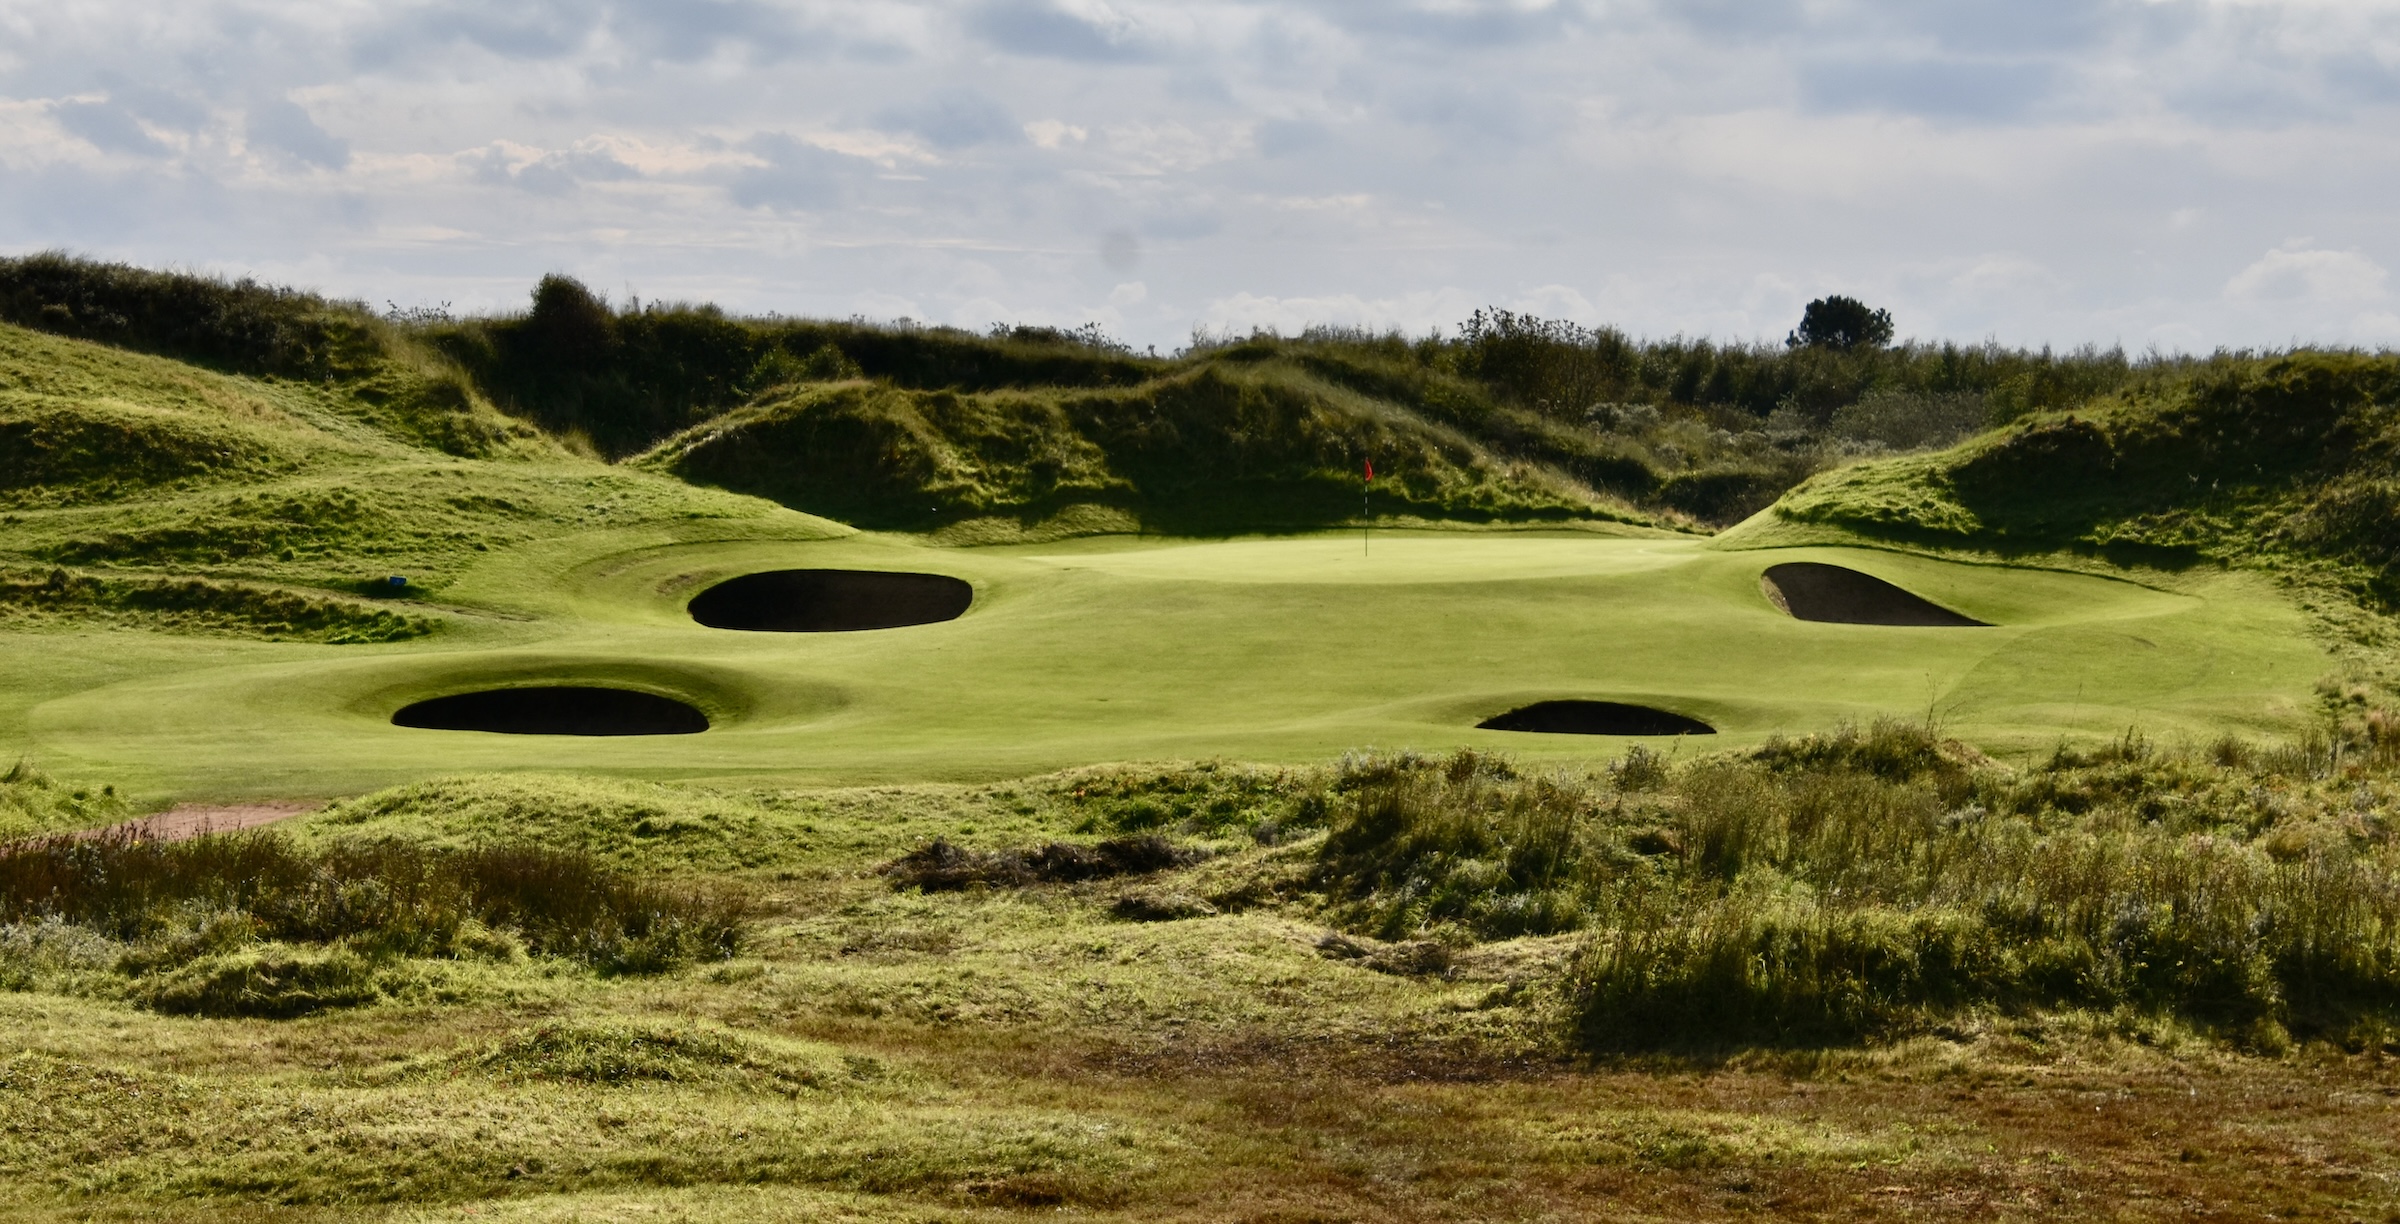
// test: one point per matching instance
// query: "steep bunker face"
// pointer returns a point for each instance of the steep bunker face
(555, 710)
(1814, 591)
(1595, 718)
(830, 601)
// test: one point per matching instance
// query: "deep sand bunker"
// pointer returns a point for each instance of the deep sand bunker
(1594, 718)
(830, 601)
(1815, 591)
(555, 710)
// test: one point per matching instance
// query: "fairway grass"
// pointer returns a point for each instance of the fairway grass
(1124, 648)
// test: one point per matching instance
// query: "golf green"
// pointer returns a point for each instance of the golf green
(1118, 648)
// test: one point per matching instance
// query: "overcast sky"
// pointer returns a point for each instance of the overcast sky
(2185, 174)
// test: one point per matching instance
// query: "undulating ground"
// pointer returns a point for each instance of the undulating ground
(1175, 879)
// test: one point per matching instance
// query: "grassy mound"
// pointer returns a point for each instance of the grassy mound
(617, 1052)
(628, 825)
(1221, 448)
(2286, 460)
(131, 462)
(188, 605)
(359, 366)
(258, 925)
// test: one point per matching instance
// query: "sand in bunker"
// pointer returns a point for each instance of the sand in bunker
(1814, 591)
(555, 710)
(830, 601)
(1595, 718)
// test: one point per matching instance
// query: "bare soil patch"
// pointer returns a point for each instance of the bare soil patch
(944, 867)
(1815, 591)
(1595, 718)
(830, 601)
(555, 710)
(185, 821)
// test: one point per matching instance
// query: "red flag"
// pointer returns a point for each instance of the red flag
(1370, 471)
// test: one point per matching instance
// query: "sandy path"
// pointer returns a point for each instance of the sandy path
(190, 820)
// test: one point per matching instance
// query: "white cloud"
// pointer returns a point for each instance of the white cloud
(2035, 170)
(2298, 274)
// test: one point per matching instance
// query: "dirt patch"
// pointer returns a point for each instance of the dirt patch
(189, 820)
(555, 710)
(943, 867)
(1595, 718)
(830, 601)
(1815, 591)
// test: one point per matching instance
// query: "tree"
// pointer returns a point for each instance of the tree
(1841, 323)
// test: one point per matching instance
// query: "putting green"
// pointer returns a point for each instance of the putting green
(1127, 649)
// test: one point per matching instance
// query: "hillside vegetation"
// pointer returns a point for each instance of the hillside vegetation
(2290, 461)
(1511, 418)
(188, 455)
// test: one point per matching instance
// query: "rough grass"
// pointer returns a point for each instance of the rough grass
(256, 925)
(943, 867)
(616, 1052)
(910, 1055)
(2283, 461)
(1867, 883)
(32, 803)
(61, 600)
(361, 369)
(1226, 447)
(124, 462)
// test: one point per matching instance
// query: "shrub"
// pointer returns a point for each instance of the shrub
(274, 982)
(1861, 883)
(194, 913)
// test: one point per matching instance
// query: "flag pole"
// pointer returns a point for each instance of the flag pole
(1363, 521)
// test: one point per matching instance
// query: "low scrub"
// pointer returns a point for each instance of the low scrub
(256, 924)
(1869, 882)
(201, 606)
(944, 867)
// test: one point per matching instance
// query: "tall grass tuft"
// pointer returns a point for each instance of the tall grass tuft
(173, 901)
(1872, 881)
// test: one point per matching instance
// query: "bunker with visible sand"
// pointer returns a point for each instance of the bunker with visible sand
(831, 601)
(1576, 717)
(1835, 594)
(555, 710)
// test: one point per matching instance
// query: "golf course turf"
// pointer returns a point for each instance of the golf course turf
(1276, 649)
(831, 601)
(1079, 857)
(1836, 594)
(1570, 717)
